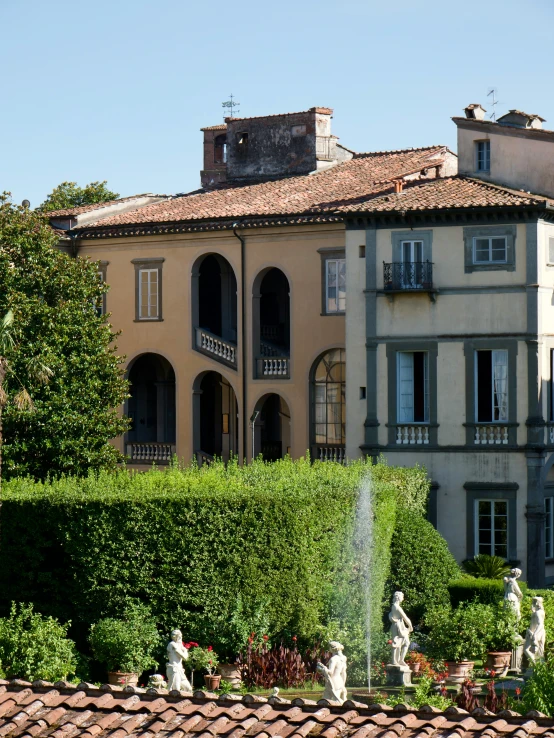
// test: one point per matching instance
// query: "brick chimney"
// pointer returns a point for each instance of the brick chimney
(215, 156)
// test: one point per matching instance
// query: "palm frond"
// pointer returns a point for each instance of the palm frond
(6, 338)
(22, 400)
(38, 370)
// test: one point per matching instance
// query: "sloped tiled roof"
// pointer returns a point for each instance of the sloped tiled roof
(361, 177)
(446, 193)
(59, 710)
(66, 212)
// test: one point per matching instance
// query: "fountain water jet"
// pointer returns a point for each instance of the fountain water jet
(363, 548)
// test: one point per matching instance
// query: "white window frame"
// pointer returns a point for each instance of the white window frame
(549, 527)
(149, 306)
(486, 158)
(337, 309)
(493, 514)
(426, 400)
(496, 354)
(490, 260)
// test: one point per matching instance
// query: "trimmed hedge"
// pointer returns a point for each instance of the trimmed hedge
(212, 550)
(421, 564)
(486, 591)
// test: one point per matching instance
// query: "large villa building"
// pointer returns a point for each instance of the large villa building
(310, 297)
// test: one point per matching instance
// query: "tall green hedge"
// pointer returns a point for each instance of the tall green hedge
(421, 564)
(485, 591)
(215, 550)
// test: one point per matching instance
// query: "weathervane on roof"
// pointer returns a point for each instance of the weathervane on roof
(230, 106)
(494, 102)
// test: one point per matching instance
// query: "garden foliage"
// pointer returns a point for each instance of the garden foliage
(126, 643)
(70, 195)
(421, 564)
(210, 550)
(485, 591)
(34, 647)
(53, 298)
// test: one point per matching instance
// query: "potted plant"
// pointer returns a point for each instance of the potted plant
(206, 659)
(502, 639)
(459, 637)
(125, 645)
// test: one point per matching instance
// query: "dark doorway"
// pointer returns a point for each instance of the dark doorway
(272, 428)
(275, 310)
(215, 417)
(215, 297)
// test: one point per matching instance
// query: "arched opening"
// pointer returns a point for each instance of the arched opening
(215, 417)
(328, 406)
(214, 308)
(271, 327)
(151, 409)
(220, 149)
(272, 428)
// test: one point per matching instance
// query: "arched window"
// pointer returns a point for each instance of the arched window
(328, 400)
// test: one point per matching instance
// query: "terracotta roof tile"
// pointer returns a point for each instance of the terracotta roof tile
(69, 712)
(325, 191)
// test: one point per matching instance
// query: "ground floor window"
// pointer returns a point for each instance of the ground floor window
(491, 521)
(549, 527)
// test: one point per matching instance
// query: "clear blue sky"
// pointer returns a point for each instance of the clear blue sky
(118, 89)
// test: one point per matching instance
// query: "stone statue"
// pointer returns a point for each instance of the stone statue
(176, 652)
(156, 681)
(512, 592)
(400, 629)
(536, 635)
(334, 674)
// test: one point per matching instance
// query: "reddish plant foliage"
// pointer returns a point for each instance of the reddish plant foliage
(467, 700)
(266, 667)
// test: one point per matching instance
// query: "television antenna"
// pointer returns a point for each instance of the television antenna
(230, 106)
(494, 102)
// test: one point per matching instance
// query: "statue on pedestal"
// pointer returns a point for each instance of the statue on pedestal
(401, 627)
(536, 635)
(176, 652)
(398, 671)
(512, 592)
(334, 674)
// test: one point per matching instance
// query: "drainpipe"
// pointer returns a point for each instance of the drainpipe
(243, 337)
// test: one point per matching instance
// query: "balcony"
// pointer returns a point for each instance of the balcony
(272, 368)
(491, 435)
(150, 453)
(329, 453)
(414, 435)
(408, 276)
(214, 346)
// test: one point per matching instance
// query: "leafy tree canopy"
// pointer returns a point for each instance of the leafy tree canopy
(70, 195)
(53, 298)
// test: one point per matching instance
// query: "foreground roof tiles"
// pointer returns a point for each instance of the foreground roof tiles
(322, 192)
(62, 710)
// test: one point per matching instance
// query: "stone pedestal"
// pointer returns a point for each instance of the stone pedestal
(399, 676)
(515, 661)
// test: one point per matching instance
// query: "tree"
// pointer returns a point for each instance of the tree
(70, 195)
(39, 371)
(53, 299)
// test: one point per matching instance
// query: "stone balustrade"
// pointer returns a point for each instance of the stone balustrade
(412, 434)
(150, 453)
(491, 435)
(329, 453)
(273, 368)
(216, 346)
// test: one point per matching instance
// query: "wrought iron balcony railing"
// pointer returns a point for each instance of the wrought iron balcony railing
(408, 275)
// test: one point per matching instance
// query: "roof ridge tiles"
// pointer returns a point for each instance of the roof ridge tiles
(408, 150)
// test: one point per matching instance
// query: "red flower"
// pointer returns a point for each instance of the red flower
(492, 672)
(250, 640)
(187, 645)
(266, 638)
(389, 642)
(518, 691)
(294, 638)
(210, 648)
(193, 643)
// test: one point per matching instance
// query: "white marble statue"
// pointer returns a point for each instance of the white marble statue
(512, 592)
(334, 674)
(400, 629)
(176, 652)
(536, 635)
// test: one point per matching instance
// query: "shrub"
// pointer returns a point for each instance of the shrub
(126, 644)
(421, 564)
(191, 542)
(486, 567)
(461, 634)
(203, 658)
(538, 693)
(485, 591)
(35, 647)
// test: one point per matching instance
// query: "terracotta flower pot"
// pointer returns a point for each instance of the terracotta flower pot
(415, 667)
(458, 671)
(499, 660)
(123, 678)
(212, 681)
(230, 673)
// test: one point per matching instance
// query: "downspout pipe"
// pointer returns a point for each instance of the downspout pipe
(243, 337)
